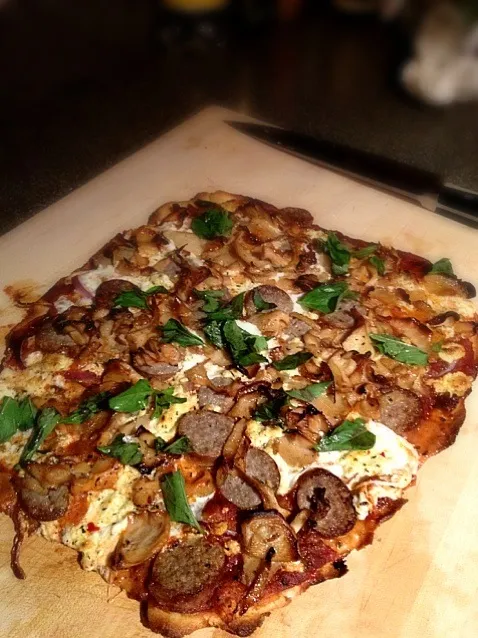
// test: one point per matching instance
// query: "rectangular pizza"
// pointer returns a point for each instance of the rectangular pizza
(222, 404)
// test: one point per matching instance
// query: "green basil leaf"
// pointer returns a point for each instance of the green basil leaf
(270, 411)
(163, 400)
(137, 298)
(326, 297)
(45, 424)
(133, 399)
(27, 414)
(251, 358)
(292, 361)
(180, 446)
(213, 332)
(232, 310)
(210, 297)
(310, 392)
(155, 289)
(338, 253)
(234, 337)
(159, 444)
(366, 251)
(378, 264)
(174, 331)
(442, 266)
(87, 408)
(350, 435)
(215, 222)
(397, 349)
(127, 453)
(175, 499)
(437, 346)
(9, 418)
(260, 304)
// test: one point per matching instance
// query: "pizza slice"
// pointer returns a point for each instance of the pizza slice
(222, 404)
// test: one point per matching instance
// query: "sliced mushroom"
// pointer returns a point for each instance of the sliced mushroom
(296, 450)
(400, 410)
(259, 465)
(329, 501)
(266, 531)
(269, 294)
(145, 535)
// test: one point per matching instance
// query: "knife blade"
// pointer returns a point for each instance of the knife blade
(423, 188)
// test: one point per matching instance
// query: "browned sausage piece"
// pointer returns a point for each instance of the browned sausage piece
(107, 291)
(400, 410)
(186, 569)
(207, 431)
(239, 492)
(260, 466)
(297, 328)
(48, 339)
(269, 529)
(208, 397)
(42, 503)
(329, 500)
(270, 294)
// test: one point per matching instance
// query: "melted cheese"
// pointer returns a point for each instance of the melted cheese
(454, 383)
(166, 426)
(108, 511)
(385, 470)
(36, 380)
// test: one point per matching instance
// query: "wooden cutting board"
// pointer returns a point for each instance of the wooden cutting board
(420, 577)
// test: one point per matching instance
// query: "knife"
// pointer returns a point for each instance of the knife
(423, 188)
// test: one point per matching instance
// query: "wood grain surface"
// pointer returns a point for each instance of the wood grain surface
(420, 577)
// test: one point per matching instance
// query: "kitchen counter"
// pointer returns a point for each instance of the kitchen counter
(83, 89)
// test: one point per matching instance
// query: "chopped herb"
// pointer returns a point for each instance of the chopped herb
(397, 349)
(350, 435)
(243, 346)
(213, 332)
(310, 392)
(215, 222)
(163, 400)
(292, 361)
(175, 499)
(137, 298)
(232, 310)
(437, 346)
(45, 424)
(211, 299)
(133, 399)
(15, 415)
(270, 411)
(338, 253)
(260, 303)
(442, 266)
(87, 408)
(366, 251)
(128, 453)
(174, 331)
(378, 264)
(325, 298)
(180, 446)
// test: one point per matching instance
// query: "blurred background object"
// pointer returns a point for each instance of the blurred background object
(87, 82)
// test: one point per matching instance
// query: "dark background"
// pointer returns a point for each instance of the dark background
(85, 83)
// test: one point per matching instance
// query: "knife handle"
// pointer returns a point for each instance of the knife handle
(460, 204)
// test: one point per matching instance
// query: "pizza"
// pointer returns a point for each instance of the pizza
(222, 404)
